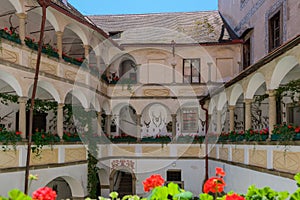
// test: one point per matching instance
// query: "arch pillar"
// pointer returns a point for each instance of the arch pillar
(231, 118)
(99, 120)
(22, 116)
(60, 120)
(108, 124)
(138, 126)
(219, 121)
(248, 123)
(87, 49)
(22, 26)
(174, 120)
(272, 110)
(59, 46)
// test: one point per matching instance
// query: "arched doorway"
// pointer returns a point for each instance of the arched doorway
(61, 187)
(123, 181)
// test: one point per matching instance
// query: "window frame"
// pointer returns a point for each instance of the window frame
(271, 30)
(190, 81)
(247, 62)
(195, 128)
(179, 182)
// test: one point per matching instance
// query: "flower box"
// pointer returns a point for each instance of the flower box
(185, 139)
(257, 137)
(14, 37)
(297, 136)
(162, 139)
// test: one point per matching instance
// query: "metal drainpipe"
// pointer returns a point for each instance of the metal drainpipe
(206, 139)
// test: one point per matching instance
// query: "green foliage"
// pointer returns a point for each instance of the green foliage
(171, 191)
(9, 138)
(297, 179)
(265, 193)
(40, 139)
(290, 89)
(205, 196)
(16, 194)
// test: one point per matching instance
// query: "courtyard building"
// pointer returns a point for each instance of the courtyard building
(155, 91)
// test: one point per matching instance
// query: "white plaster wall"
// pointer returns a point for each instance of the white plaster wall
(12, 180)
(239, 179)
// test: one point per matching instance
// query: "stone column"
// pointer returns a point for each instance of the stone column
(60, 120)
(22, 25)
(174, 120)
(108, 124)
(272, 110)
(231, 118)
(219, 123)
(22, 116)
(138, 127)
(99, 120)
(59, 45)
(86, 51)
(248, 123)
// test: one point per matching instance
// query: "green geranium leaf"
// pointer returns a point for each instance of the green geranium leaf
(159, 193)
(297, 179)
(113, 195)
(296, 195)
(18, 195)
(173, 189)
(184, 195)
(282, 195)
(205, 196)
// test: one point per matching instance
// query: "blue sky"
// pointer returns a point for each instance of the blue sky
(90, 7)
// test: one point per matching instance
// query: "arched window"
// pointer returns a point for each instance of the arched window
(127, 71)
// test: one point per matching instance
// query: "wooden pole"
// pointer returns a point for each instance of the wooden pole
(44, 4)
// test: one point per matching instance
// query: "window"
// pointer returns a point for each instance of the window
(174, 176)
(294, 115)
(246, 54)
(191, 70)
(275, 31)
(115, 34)
(189, 120)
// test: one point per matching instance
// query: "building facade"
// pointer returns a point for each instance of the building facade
(143, 77)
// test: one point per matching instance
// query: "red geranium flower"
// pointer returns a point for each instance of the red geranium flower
(234, 196)
(214, 184)
(220, 172)
(18, 132)
(297, 130)
(153, 181)
(44, 193)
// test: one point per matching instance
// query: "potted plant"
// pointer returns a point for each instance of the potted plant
(10, 35)
(257, 135)
(283, 132)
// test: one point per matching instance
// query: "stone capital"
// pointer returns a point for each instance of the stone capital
(231, 107)
(271, 93)
(60, 105)
(248, 101)
(22, 99)
(59, 33)
(21, 15)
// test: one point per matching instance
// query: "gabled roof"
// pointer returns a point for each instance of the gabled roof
(183, 27)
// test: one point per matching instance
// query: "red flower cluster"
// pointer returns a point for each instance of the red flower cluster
(153, 181)
(18, 133)
(44, 193)
(215, 184)
(220, 172)
(234, 196)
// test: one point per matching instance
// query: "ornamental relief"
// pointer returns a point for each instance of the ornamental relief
(10, 56)
(44, 67)
(156, 92)
(123, 163)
